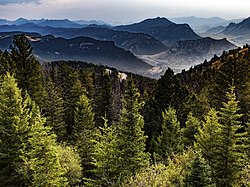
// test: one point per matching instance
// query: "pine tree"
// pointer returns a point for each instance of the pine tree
(207, 137)
(41, 158)
(13, 129)
(105, 159)
(6, 63)
(54, 110)
(71, 100)
(29, 154)
(170, 141)
(169, 93)
(192, 125)
(199, 174)
(28, 71)
(103, 98)
(231, 157)
(83, 133)
(130, 136)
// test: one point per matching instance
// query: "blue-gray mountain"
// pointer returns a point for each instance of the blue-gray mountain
(162, 29)
(81, 48)
(137, 43)
(238, 29)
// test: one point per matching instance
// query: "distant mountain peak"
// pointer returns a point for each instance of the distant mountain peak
(238, 29)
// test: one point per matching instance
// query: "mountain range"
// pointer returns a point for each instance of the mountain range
(184, 54)
(52, 48)
(201, 25)
(146, 47)
(162, 29)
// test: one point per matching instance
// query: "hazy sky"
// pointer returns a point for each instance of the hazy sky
(122, 11)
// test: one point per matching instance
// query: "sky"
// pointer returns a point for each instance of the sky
(122, 11)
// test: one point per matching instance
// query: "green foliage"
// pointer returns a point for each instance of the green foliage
(103, 95)
(207, 137)
(71, 164)
(233, 143)
(191, 128)
(54, 111)
(29, 154)
(105, 161)
(71, 100)
(170, 141)
(13, 129)
(83, 133)
(130, 136)
(199, 173)
(28, 71)
(222, 142)
(171, 175)
(169, 93)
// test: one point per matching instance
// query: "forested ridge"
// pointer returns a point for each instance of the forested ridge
(69, 123)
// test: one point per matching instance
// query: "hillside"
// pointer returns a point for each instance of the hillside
(138, 43)
(83, 49)
(238, 29)
(184, 54)
(162, 29)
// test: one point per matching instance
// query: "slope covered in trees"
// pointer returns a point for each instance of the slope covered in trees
(72, 123)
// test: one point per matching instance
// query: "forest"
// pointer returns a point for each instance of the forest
(69, 123)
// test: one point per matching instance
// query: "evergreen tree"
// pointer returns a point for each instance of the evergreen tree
(192, 125)
(54, 110)
(169, 93)
(83, 133)
(199, 174)
(29, 154)
(231, 157)
(71, 100)
(28, 71)
(103, 98)
(170, 141)
(41, 157)
(105, 158)
(6, 63)
(130, 136)
(207, 137)
(13, 129)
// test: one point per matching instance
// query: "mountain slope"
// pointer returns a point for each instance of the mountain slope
(83, 49)
(238, 29)
(184, 54)
(138, 43)
(162, 29)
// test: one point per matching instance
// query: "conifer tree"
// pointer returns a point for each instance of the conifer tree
(13, 129)
(170, 141)
(29, 154)
(199, 173)
(169, 93)
(83, 133)
(28, 71)
(71, 100)
(207, 137)
(190, 130)
(105, 158)
(54, 110)
(41, 157)
(231, 157)
(103, 96)
(130, 136)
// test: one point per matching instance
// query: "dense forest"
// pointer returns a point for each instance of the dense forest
(69, 123)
